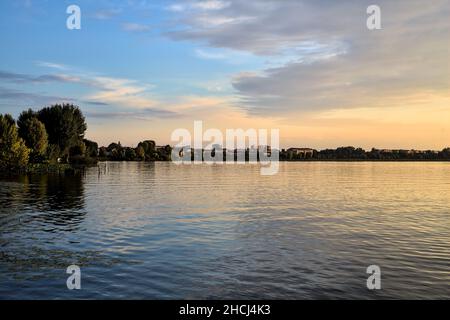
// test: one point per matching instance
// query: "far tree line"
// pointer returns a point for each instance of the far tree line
(145, 151)
(55, 134)
(359, 154)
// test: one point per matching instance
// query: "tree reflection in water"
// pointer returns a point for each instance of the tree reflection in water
(55, 201)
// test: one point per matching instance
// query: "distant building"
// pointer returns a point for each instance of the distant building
(267, 150)
(303, 153)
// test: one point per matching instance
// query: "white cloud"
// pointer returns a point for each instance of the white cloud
(209, 55)
(135, 27)
(225, 55)
(51, 65)
(102, 90)
(321, 55)
(122, 92)
(211, 4)
(176, 7)
(107, 14)
(205, 5)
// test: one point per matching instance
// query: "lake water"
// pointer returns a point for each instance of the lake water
(162, 231)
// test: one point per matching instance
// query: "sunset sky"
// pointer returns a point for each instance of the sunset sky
(140, 69)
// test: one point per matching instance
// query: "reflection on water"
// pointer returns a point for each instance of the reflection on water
(51, 200)
(143, 230)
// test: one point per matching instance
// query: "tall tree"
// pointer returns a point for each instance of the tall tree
(65, 125)
(91, 148)
(33, 132)
(149, 146)
(140, 153)
(13, 151)
(24, 117)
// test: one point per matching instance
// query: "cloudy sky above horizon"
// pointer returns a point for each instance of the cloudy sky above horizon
(140, 69)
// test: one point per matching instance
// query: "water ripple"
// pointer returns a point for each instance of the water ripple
(143, 230)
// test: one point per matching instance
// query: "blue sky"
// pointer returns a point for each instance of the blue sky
(106, 47)
(140, 69)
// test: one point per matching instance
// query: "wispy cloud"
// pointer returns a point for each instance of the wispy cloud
(211, 4)
(226, 55)
(147, 114)
(106, 14)
(136, 27)
(25, 78)
(95, 103)
(204, 54)
(119, 92)
(177, 7)
(25, 99)
(206, 5)
(52, 65)
(122, 92)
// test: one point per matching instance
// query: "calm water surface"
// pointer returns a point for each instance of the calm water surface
(142, 230)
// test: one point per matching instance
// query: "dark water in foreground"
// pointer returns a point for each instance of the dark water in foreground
(165, 231)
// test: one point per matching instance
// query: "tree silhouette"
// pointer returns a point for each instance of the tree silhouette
(65, 125)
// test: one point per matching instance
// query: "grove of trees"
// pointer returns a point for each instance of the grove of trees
(145, 151)
(52, 134)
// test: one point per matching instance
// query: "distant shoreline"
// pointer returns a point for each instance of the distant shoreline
(37, 143)
(304, 160)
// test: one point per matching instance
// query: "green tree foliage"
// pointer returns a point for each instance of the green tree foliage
(102, 152)
(91, 148)
(53, 153)
(24, 117)
(78, 149)
(65, 125)
(445, 154)
(149, 147)
(164, 154)
(33, 132)
(140, 153)
(112, 146)
(130, 154)
(116, 151)
(13, 151)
